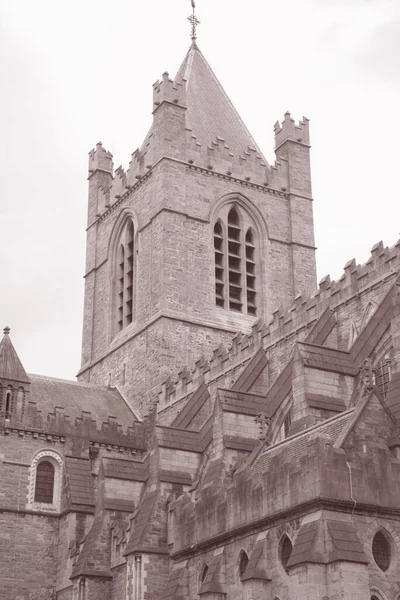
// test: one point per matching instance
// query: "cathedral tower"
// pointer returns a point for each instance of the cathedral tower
(198, 239)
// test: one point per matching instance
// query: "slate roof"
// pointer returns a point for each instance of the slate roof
(303, 549)
(80, 481)
(296, 446)
(210, 113)
(10, 365)
(100, 402)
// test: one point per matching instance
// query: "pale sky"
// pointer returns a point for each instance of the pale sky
(73, 73)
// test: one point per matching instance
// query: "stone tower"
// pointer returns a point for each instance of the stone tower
(198, 239)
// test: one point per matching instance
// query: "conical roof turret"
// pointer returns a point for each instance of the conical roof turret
(10, 365)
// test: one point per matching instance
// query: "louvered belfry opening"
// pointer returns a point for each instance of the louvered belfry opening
(125, 266)
(219, 264)
(235, 262)
(381, 551)
(44, 486)
(250, 273)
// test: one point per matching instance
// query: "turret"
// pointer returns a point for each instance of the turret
(14, 382)
(100, 178)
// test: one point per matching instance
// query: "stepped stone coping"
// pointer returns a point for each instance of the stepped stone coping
(117, 468)
(242, 444)
(182, 439)
(243, 403)
(325, 402)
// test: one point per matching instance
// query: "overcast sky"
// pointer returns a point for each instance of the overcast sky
(73, 73)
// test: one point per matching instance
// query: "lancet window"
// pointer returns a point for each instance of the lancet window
(125, 276)
(235, 262)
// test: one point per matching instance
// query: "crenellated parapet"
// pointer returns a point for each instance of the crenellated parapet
(384, 262)
(168, 90)
(289, 130)
(100, 160)
(57, 424)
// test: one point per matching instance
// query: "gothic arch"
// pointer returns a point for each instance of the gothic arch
(247, 205)
(116, 255)
(375, 593)
(242, 562)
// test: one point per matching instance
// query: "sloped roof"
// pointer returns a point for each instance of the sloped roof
(80, 481)
(244, 403)
(210, 113)
(100, 402)
(252, 370)
(141, 528)
(176, 587)
(10, 365)
(192, 407)
(257, 565)
(297, 446)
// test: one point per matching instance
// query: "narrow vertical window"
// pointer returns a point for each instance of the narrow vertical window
(250, 273)
(125, 277)
(234, 261)
(129, 275)
(121, 286)
(44, 486)
(219, 265)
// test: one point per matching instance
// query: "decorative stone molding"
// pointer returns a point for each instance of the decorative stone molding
(56, 460)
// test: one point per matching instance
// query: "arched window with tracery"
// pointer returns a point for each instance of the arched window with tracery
(235, 261)
(125, 276)
(44, 485)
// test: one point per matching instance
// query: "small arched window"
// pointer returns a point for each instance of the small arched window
(381, 551)
(243, 562)
(286, 551)
(203, 573)
(8, 401)
(125, 276)
(44, 485)
(235, 262)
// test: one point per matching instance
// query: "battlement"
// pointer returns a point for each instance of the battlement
(289, 130)
(58, 424)
(170, 91)
(383, 264)
(100, 159)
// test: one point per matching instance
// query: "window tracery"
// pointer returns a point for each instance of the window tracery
(235, 262)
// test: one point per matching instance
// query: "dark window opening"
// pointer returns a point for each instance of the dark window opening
(243, 562)
(8, 404)
(44, 486)
(286, 551)
(381, 551)
(203, 573)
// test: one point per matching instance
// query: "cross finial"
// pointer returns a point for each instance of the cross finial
(6, 330)
(193, 20)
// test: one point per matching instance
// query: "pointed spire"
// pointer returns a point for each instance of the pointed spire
(10, 366)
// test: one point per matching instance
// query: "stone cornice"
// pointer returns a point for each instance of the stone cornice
(282, 516)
